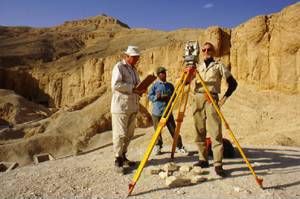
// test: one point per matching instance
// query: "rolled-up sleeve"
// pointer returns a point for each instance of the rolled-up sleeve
(225, 73)
(152, 94)
(117, 82)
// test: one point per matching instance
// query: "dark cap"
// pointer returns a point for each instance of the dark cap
(161, 69)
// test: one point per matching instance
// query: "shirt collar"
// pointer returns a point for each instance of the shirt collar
(204, 67)
(209, 61)
(161, 82)
(125, 63)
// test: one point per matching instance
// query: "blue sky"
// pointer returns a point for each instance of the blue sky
(153, 14)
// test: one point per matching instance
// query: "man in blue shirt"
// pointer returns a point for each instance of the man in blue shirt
(159, 95)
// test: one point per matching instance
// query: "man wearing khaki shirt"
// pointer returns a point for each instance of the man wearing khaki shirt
(124, 105)
(205, 116)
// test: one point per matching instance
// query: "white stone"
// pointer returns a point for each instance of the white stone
(180, 192)
(257, 164)
(152, 170)
(237, 189)
(170, 167)
(163, 175)
(197, 170)
(185, 168)
(177, 181)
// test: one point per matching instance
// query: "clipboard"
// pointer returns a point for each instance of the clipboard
(143, 85)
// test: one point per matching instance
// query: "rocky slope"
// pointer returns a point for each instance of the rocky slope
(58, 66)
(15, 109)
(67, 69)
(67, 131)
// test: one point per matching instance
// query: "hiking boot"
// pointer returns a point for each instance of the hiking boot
(157, 150)
(220, 171)
(128, 162)
(181, 150)
(119, 165)
(202, 164)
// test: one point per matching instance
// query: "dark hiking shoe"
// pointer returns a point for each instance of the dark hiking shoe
(202, 164)
(181, 150)
(119, 165)
(128, 162)
(220, 171)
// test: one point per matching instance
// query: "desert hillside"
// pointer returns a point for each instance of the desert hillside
(66, 70)
(55, 98)
(58, 66)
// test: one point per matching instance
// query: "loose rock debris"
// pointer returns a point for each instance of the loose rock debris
(178, 176)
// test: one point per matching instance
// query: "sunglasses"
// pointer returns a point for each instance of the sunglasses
(206, 50)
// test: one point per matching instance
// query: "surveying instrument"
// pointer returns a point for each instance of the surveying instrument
(191, 58)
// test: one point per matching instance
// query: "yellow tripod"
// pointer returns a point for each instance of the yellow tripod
(185, 80)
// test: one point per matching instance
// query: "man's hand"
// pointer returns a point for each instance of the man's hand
(158, 95)
(222, 101)
(165, 98)
(139, 92)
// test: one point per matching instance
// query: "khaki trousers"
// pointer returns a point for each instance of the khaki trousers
(123, 125)
(206, 120)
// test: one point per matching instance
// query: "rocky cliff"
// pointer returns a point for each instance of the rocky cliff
(265, 51)
(60, 65)
(68, 68)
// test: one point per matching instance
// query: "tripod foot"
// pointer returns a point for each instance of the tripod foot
(130, 189)
(259, 182)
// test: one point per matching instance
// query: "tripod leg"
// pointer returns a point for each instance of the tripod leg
(161, 124)
(179, 119)
(258, 180)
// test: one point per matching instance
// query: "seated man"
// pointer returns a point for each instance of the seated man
(160, 95)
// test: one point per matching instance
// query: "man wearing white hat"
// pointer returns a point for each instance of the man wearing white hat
(124, 105)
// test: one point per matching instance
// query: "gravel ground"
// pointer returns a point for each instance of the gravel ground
(91, 174)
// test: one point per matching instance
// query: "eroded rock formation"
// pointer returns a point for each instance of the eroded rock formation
(68, 68)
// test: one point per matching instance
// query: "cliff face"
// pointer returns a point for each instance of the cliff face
(265, 51)
(69, 67)
(58, 66)
(15, 109)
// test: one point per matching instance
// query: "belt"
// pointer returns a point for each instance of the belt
(214, 95)
(205, 92)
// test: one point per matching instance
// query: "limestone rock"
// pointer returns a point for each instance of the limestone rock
(153, 170)
(177, 181)
(237, 189)
(163, 174)
(197, 170)
(185, 168)
(65, 131)
(15, 109)
(170, 167)
(264, 47)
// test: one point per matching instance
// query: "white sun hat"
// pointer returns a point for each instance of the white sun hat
(132, 51)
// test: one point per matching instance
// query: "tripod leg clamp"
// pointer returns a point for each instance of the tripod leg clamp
(162, 122)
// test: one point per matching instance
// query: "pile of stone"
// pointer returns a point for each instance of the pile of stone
(177, 176)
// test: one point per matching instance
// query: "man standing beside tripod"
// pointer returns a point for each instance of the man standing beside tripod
(204, 114)
(160, 94)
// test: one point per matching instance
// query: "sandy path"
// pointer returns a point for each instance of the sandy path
(91, 175)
